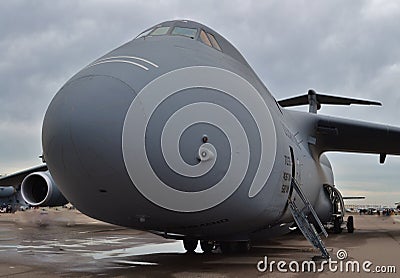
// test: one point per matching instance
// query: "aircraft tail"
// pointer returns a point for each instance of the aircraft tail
(315, 101)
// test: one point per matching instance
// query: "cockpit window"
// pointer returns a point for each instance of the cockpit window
(145, 33)
(214, 41)
(160, 31)
(204, 38)
(182, 31)
(209, 40)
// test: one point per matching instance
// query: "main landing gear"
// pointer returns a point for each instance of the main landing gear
(350, 224)
(337, 221)
(339, 224)
(208, 246)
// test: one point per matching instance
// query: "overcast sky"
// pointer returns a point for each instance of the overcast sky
(349, 48)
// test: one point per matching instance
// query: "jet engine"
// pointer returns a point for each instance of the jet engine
(39, 189)
(6, 191)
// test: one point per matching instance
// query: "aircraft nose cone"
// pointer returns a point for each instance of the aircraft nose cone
(81, 135)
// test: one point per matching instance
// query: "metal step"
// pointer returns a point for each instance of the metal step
(301, 218)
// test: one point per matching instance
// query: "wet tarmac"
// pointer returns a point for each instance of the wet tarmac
(66, 243)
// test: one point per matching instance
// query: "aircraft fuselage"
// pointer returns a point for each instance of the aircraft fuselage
(169, 134)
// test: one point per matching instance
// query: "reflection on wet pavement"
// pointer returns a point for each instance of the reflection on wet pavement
(79, 245)
(70, 244)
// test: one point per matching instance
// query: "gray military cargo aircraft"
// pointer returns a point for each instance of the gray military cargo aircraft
(174, 133)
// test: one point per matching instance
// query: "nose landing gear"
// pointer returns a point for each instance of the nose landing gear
(190, 245)
(238, 247)
(208, 246)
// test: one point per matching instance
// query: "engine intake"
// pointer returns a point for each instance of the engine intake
(39, 189)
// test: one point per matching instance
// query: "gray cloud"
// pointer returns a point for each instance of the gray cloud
(349, 48)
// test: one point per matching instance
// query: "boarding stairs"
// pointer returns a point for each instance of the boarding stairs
(301, 216)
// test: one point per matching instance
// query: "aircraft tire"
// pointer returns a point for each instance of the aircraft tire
(243, 246)
(226, 247)
(190, 245)
(337, 229)
(235, 247)
(207, 246)
(350, 224)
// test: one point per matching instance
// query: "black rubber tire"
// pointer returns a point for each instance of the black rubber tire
(237, 247)
(337, 229)
(226, 247)
(243, 246)
(207, 246)
(190, 245)
(350, 224)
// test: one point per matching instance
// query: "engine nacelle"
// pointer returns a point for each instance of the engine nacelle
(7, 191)
(39, 189)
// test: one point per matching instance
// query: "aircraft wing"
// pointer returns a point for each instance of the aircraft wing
(16, 179)
(337, 134)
